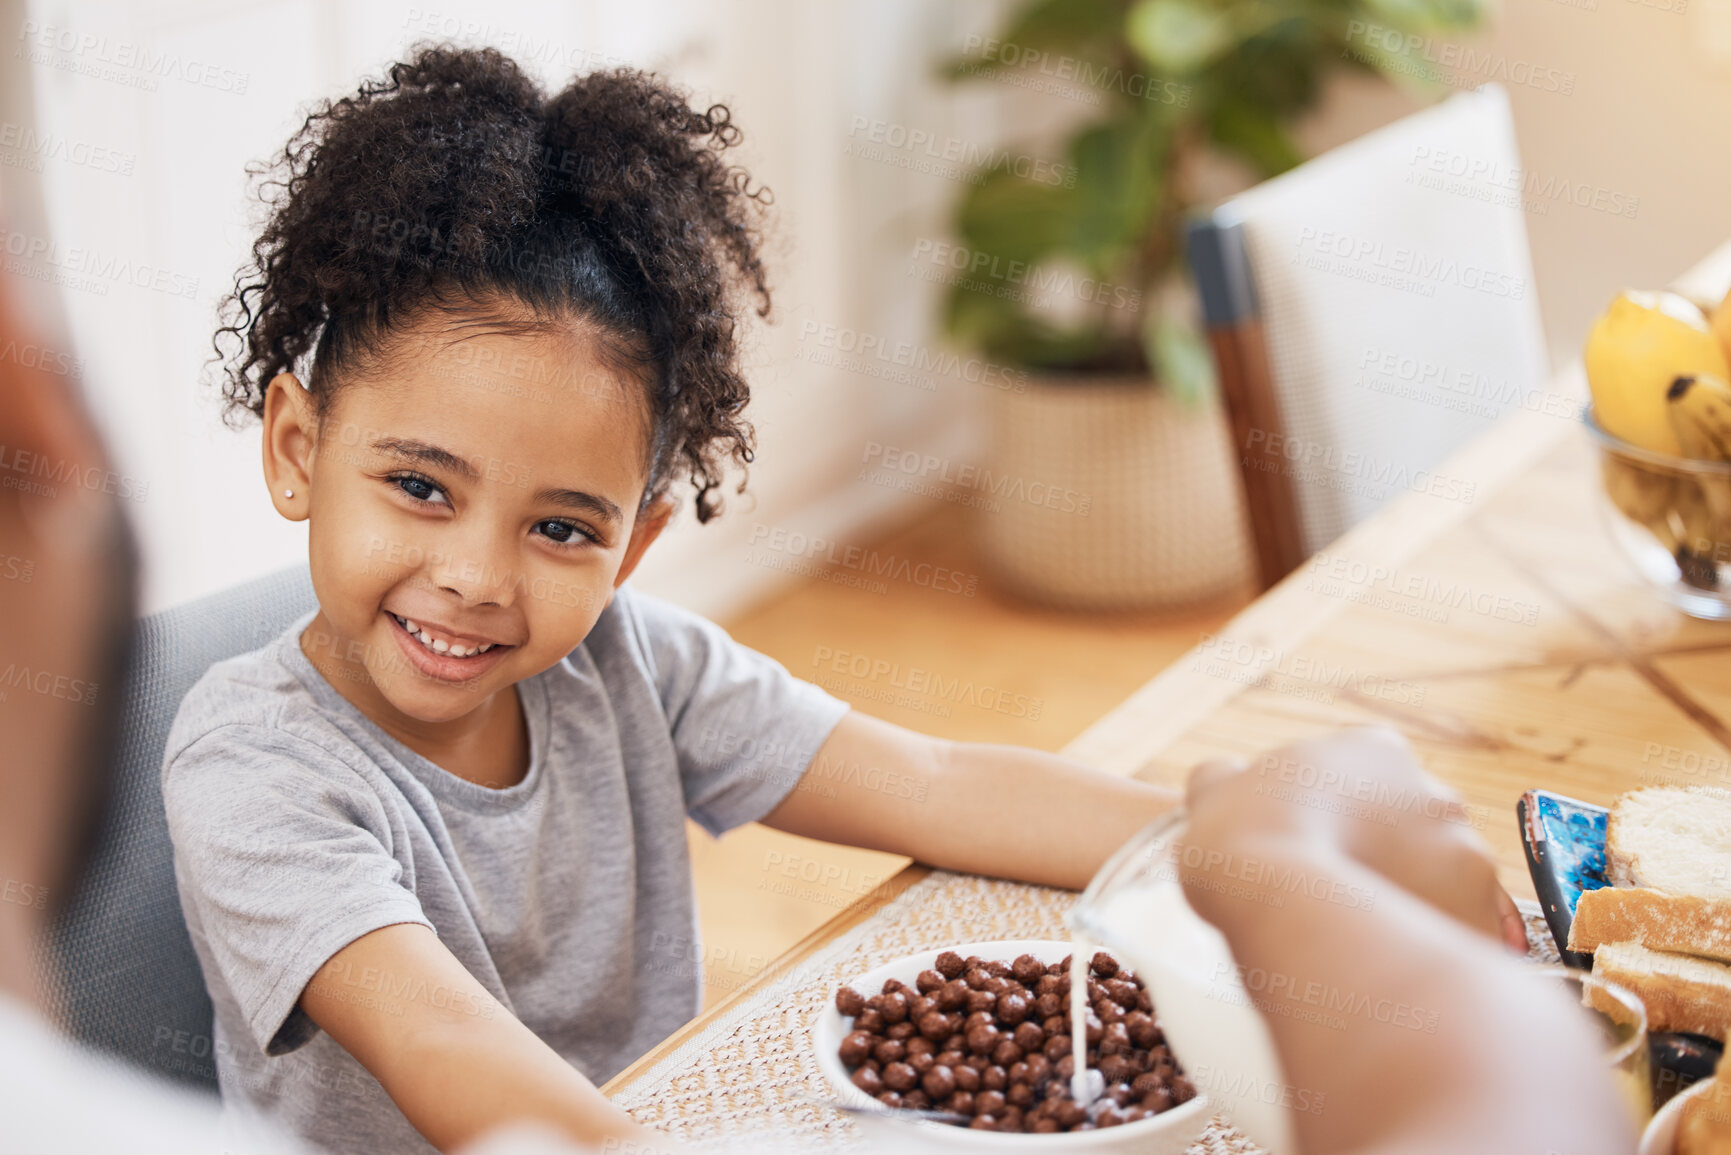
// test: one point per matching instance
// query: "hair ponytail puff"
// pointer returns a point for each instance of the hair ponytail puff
(481, 76)
(679, 227)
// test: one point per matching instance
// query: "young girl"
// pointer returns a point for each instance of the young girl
(431, 841)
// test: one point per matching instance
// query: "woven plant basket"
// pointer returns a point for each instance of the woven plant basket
(1111, 495)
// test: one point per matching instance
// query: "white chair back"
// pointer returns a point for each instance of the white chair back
(1396, 297)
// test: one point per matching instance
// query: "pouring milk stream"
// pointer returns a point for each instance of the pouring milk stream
(1135, 908)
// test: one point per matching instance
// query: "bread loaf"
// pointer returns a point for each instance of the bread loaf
(1671, 838)
(1671, 922)
(1681, 992)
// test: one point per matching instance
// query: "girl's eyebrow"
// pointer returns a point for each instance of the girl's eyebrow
(585, 502)
(427, 454)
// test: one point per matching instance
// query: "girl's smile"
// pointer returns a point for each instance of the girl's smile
(445, 654)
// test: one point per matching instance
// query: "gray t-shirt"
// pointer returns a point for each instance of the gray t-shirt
(300, 826)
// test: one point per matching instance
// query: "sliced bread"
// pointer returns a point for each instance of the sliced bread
(1673, 922)
(1671, 838)
(1681, 992)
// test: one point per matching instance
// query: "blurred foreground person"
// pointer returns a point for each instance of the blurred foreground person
(66, 608)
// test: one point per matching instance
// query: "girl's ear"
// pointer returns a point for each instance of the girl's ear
(650, 522)
(290, 442)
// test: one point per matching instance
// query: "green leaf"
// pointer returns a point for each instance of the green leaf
(1182, 361)
(1177, 37)
(978, 319)
(1015, 219)
(1278, 69)
(1065, 23)
(1042, 347)
(1007, 333)
(1078, 27)
(1257, 135)
(1428, 15)
(1117, 189)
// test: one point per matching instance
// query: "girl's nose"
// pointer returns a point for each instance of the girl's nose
(477, 577)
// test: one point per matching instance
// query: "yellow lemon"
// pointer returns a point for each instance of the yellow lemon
(1642, 343)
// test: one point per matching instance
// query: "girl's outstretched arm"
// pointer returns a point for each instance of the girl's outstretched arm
(456, 1062)
(1000, 810)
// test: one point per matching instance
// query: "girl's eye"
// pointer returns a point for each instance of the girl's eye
(420, 489)
(563, 532)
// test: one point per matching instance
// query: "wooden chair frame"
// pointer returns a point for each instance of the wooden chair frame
(1233, 319)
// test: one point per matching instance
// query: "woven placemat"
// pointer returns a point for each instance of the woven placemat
(754, 1070)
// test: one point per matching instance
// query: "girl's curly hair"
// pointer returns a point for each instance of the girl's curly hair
(456, 179)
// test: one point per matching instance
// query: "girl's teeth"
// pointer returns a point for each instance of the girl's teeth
(439, 645)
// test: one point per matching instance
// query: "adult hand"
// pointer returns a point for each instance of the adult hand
(1344, 879)
(1360, 794)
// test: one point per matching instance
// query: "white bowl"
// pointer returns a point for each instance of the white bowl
(1660, 1137)
(1169, 1133)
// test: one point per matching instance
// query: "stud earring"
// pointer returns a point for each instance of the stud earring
(288, 493)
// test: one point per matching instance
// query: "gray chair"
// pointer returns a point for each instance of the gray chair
(120, 965)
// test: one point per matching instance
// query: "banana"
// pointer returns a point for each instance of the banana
(1680, 513)
(1700, 413)
(1645, 496)
(1699, 410)
(1692, 518)
(1697, 527)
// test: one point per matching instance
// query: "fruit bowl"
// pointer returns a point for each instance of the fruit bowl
(1671, 517)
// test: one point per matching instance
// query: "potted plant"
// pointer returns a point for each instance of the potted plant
(1076, 273)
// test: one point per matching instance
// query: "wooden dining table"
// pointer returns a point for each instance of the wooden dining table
(1503, 633)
